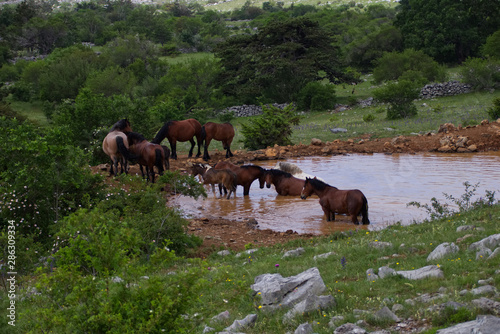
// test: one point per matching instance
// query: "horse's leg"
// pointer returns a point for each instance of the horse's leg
(354, 218)
(191, 149)
(115, 163)
(142, 171)
(173, 147)
(111, 167)
(227, 146)
(330, 215)
(200, 143)
(206, 156)
(246, 190)
(152, 171)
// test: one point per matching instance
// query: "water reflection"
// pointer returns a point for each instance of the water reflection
(388, 181)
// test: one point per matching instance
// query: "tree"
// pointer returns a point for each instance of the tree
(393, 65)
(274, 126)
(447, 30)
(274, 64)
(62, 74)
(492, 46)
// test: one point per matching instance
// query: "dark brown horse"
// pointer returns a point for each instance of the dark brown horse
(246, 174)
(149, 154)
(212, 176)
(222, 132)
(115, 145)
(284, 183)
(181, 131)
(333, 200)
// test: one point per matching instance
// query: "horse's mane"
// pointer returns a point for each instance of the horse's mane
(120, 125)
(162, 133)
(278, 172)
(136, 136)
(251, 166)
(318, 184)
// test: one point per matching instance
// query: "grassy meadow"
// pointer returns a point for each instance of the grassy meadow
(466, 109)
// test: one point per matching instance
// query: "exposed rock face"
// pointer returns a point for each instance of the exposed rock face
(442, 251)
(276, 291)
(483, 324)
(444, 89)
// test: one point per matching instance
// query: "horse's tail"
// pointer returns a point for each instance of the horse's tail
(203, 134)
(159, 160)
(124, 151)
(364, 211)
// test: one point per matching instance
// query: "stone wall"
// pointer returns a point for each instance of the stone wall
(249, 110)
(444, 89)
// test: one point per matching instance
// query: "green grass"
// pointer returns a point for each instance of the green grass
(227, 280)
(32, 111)
(349, 284)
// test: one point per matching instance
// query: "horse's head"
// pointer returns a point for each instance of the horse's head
(307, 190)
(263, 178)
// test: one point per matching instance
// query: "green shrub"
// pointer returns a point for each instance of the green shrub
(274, 126)
(399, 96)
(316, 96)
(494, 111)
(369, 118)
(481, 73)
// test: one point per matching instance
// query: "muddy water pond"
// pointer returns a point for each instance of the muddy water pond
(389, 182)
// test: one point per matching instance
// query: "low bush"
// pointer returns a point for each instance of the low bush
(274, 126)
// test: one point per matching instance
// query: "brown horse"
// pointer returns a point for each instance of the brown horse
(284, 183)
(212, 176)
(149, 154)
(245, 174)
(221, 132)
(333, 200)
(181, 131)
(115, 145)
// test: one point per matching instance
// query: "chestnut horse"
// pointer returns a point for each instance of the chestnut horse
(246, 174)
(115, 145)
(149, 154)
(212, 176)
(181, 131)
(284, 183)
(333, 200)
(222, 132)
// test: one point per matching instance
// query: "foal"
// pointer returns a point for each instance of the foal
(213, 176)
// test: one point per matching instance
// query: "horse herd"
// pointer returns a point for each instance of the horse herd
(121, 145)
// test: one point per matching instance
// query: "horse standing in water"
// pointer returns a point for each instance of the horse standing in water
(284, 183)
(221, 132)
(115, 145)
(181, 131)
(212, 176)
(246, 174)
(149, 154)
(333, 200)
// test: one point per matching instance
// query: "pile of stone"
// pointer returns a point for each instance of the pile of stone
(249, 110)
(444, 89)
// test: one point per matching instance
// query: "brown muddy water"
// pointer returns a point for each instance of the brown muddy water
(389, 182)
